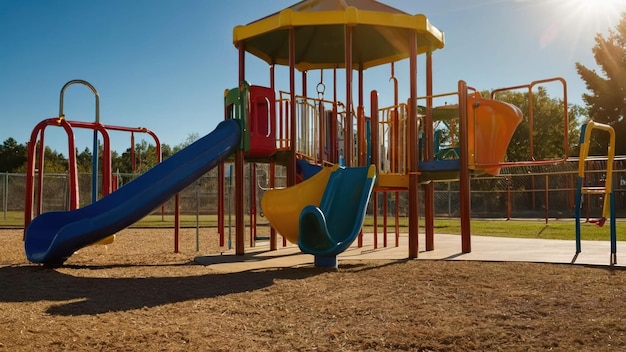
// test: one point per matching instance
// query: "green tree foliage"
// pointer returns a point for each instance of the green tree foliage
(84, 160)
(145, 155)
(167, 151)
(191, 137)
(606, 100)
(547, 127)
(13, 158)
(120, 162)
(12, 155)
(54, 162)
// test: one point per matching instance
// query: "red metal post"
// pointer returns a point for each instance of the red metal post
(374, 142)
(385, 211)
(413, 152)
(349, 127)
(395, 128)
(332, 126)
(374, 138)
(239, 175)
(40, 168)
(239, 203)
(362, 142)
(291, 163)
(429, 189)
(397, 217)
(220, 203)
(272, 185)
(176, 221)
(464, 181)
(395, 154)
(375, 215)
(28, 194)
(133, 161)
(272, 171)
(252, 204)
(321, 131)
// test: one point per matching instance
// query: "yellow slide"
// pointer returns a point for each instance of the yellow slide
(282, 207)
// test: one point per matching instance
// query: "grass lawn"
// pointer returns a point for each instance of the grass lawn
(526, 228)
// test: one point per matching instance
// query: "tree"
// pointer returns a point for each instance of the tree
(191, 137)
(166, 151)
(606, 100)
(147, 156)
(548, 129)
(54, 162)
(84, 160)
(12, 155)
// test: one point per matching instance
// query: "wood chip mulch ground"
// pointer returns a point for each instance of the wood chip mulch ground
(137, 295)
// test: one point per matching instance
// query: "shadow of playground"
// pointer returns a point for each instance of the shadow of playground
(93, 295)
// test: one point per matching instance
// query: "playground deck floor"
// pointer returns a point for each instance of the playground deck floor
(447, 247)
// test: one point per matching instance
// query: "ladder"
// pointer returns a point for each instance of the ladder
(608, 208)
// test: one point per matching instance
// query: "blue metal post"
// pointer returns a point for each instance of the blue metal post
(94, 170)
(613, 227)
(579, 197)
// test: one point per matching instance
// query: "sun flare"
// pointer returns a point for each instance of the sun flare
(576, 21)
(596, 10)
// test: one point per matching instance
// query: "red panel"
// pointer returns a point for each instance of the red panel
(262, 122)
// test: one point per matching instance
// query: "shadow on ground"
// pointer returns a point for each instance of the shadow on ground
(99, 294)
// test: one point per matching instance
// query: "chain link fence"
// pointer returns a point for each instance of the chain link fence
(521, 192)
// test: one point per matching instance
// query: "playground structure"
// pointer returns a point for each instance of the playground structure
(606, 191)
(396, 148)
(36, 147)
(399, 140)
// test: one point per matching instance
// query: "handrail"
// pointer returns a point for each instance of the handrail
(73, 173)
(584, 152)
(608, 206)
(309, 122)
(94, 157)
(88, 85)
(30, 168)
(530, 87)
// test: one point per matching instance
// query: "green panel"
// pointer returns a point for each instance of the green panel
(236, 105)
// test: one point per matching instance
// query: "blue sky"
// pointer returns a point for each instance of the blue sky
(164, 64)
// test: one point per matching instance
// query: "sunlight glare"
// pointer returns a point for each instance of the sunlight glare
(578, 21)
(596, 10)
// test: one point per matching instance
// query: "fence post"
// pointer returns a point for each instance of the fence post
(547, 205)
(198, 216)
(449, 199)
(508, 198)
(5, 194)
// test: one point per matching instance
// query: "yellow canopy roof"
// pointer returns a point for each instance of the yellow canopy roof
(381, 34)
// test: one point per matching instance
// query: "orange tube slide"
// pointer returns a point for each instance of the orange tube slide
(490, 129)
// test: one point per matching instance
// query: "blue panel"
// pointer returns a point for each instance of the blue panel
(440, 165)
(331, 228)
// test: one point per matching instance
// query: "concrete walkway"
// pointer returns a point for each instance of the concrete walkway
(447, 247)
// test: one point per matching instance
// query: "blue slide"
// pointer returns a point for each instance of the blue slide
(53, 237)
(329, 229)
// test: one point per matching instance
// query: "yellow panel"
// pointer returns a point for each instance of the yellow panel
(352, 17)
(282, 207)
(106, 240)
(380, 36)
(392, 181)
